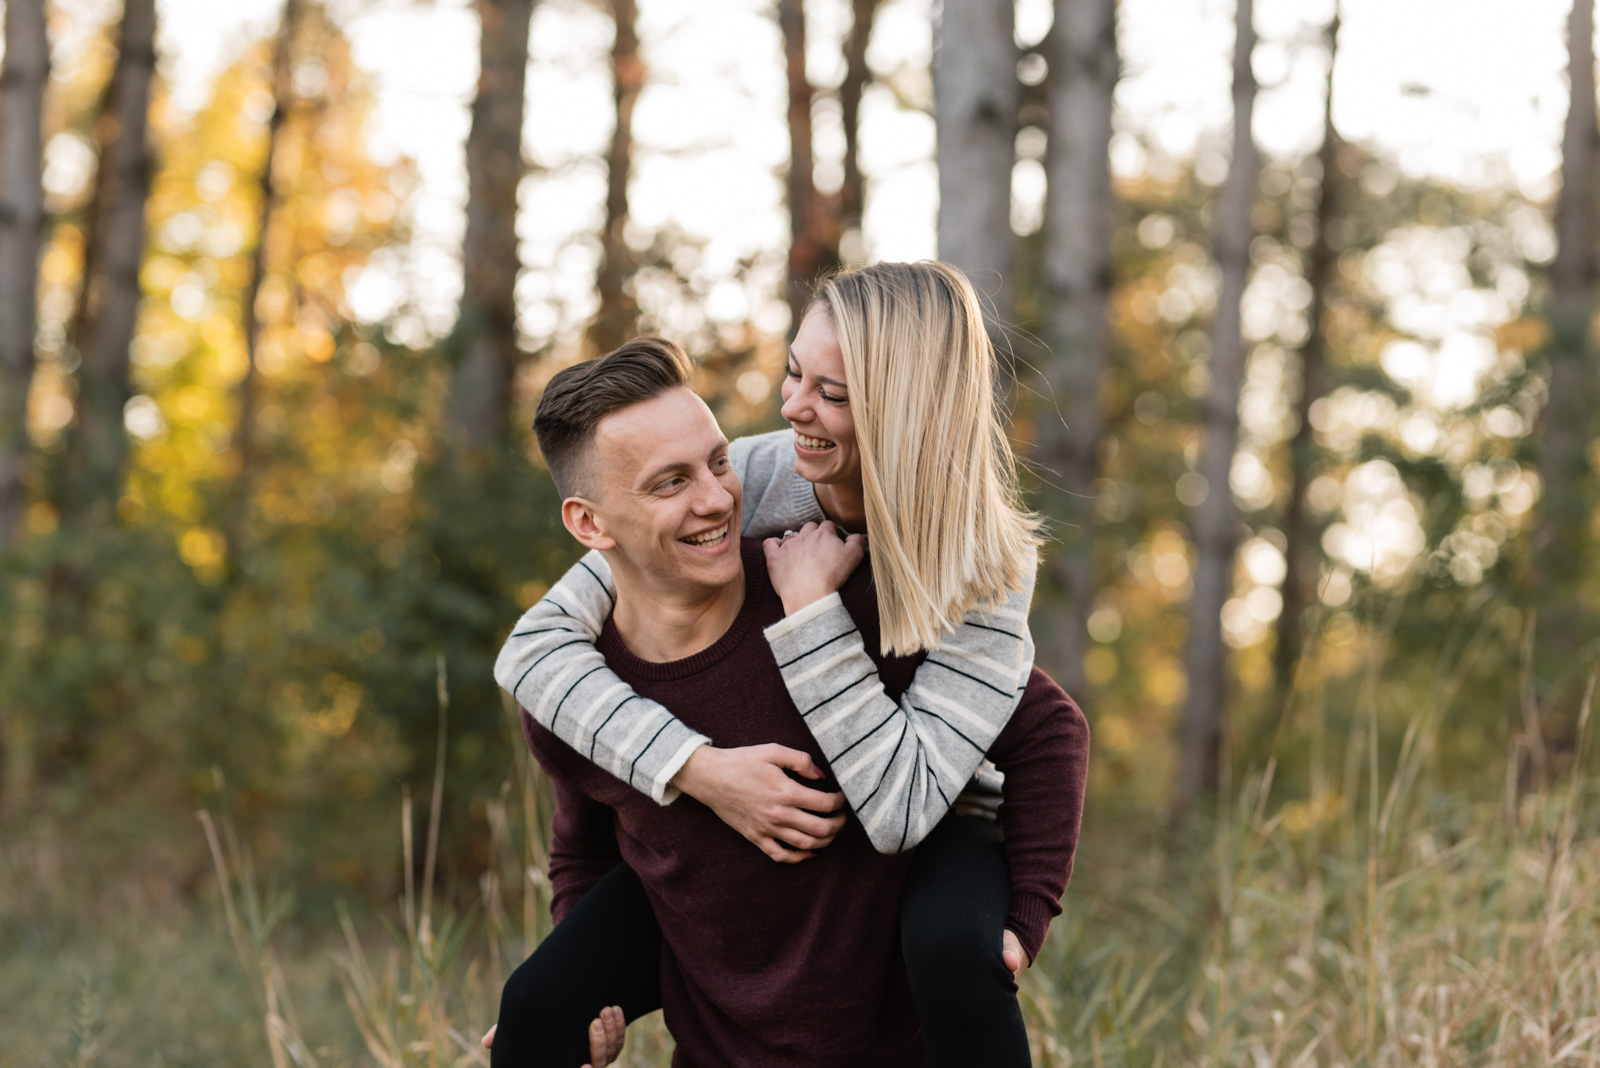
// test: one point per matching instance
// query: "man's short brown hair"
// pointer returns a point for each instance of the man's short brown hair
(578, 397)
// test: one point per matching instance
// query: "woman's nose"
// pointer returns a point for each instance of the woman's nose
(792, 407)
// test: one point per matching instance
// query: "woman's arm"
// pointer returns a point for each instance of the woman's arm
(900, 764)
(551, 666)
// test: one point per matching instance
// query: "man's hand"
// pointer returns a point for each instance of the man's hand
(748, 791)
(811, 563)
(606, 1036)
(1012, 953)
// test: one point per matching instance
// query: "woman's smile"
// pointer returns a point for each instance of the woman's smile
(808, 443)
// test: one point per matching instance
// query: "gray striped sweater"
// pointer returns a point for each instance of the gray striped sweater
(901, 765)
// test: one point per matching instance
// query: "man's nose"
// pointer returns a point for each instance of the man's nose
(713, 497)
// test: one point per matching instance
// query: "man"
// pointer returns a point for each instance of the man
(759, 963)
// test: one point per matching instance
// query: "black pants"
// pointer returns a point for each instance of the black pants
(607, 951)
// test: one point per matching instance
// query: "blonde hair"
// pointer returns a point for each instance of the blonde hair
(947, 527)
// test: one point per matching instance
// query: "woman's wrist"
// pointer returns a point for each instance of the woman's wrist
(795, 601)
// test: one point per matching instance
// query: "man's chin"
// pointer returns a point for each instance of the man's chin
(714, 565)
(717, 571)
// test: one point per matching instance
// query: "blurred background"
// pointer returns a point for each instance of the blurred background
(1295, 299)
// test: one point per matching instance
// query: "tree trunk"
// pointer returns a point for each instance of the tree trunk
(22, 83)
(1560, 540)
(617, 319)
(1077, 280)
(1300, 543)
(249, 385)
(108, 301)
(1214, 520)
(857, 75)
(485, 338)
(976, 96)
(813, 219)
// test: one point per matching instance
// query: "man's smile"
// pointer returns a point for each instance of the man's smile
(709, 538)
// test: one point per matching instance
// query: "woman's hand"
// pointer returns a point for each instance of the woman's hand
(812, 562)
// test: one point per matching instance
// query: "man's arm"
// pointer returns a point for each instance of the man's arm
(583, 839)
(1044, 754)
(551, 666)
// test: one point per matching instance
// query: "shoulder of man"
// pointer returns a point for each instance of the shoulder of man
(1043, 700)
(860, 598)
(1042, 687)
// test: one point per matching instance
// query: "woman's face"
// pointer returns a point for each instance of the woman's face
(816, 402)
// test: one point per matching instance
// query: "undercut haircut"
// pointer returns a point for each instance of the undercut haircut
(578, 397)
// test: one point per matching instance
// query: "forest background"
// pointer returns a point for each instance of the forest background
(1297, 308)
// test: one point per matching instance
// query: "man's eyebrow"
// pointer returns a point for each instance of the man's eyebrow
(679, 465)
(822, 378)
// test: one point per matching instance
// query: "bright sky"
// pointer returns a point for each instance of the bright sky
(1459, 89)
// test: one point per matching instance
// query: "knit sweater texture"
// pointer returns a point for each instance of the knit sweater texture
(793, 964)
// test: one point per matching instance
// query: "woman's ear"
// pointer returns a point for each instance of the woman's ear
(583, 523)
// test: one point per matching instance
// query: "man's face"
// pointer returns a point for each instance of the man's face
(667, 497)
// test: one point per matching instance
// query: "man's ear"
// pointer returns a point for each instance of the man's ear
(580, 519)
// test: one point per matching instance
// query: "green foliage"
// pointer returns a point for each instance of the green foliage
(1412, 882)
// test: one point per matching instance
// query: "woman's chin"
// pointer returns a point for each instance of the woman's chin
(822, 474)
(811, 467)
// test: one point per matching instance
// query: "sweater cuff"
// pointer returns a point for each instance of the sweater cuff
(790, 624)
(661, 788)
(1029, 920)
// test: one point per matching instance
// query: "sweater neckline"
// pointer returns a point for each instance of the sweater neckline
(757, 590)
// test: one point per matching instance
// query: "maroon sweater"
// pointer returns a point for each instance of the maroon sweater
(793, 964)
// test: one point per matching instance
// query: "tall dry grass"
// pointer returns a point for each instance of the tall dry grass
(425, 994)
(1377, 920)
(1373, 920)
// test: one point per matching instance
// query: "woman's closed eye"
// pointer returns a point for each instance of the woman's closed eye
(794, 373)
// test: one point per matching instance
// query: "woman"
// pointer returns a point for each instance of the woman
(889, 394)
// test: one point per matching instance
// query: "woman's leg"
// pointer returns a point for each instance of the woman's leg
(606, 951)
(951, 919)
